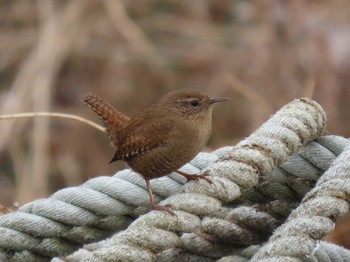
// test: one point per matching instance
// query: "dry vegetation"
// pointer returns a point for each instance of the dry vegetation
(261, 53)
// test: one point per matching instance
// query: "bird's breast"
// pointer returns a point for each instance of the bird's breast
(191, 138)
(183, 144)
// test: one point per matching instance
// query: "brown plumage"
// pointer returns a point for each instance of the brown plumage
(113, 120)
(162, 138)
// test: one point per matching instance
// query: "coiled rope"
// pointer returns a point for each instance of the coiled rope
(314, 217)
(73, 216)
(324, 252)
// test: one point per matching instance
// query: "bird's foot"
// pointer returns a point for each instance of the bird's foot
(195, 177)
(166, 208)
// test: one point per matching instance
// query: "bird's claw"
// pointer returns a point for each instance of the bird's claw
(166, 208)
(197, 177)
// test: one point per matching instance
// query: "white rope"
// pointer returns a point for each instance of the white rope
(73, 216)
(325, 252)
(103, 210)
(315, 216)
(259, 154)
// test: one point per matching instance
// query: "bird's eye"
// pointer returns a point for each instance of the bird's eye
(194, 103)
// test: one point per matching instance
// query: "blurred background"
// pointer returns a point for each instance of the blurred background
(262, 54)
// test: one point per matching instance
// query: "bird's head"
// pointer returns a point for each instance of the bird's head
(190, 104)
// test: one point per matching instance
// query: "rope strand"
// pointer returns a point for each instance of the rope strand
(250, 197)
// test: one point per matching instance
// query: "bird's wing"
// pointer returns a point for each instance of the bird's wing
(112, 119)
(142, 140)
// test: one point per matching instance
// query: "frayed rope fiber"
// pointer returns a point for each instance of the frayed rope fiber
(208, 224)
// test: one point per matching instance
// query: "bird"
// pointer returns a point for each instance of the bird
(161, 138)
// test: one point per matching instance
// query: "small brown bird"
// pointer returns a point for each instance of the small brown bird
(162, 138)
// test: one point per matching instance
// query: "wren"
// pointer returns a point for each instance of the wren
(161, 139)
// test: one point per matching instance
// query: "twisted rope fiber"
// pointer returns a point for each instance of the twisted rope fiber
(257, 219)
(248, 222)
(203, 159)
(109, 208)
(32, 207)
(331, 143)
(315, 216)
(247, 225)
(326, 252)
(295, 124)
(73, 216)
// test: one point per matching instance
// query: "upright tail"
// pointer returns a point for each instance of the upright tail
(112, 119)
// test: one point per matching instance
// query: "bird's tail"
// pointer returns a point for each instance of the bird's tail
(112, 119)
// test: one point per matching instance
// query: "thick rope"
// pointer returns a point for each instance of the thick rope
(251, 222)
(337, 145)
(331, 143)
(325, 252)
(85, 222)
(315, 216)
(290, 128)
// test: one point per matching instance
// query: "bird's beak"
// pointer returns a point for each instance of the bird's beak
(218, 99)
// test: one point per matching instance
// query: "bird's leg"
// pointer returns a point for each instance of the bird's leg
(195, 177)
(155, 206)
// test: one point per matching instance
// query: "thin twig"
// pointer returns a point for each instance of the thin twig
(41, 92)
(130, 30)
(309, 87)
(53, 114)
(248, 92)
